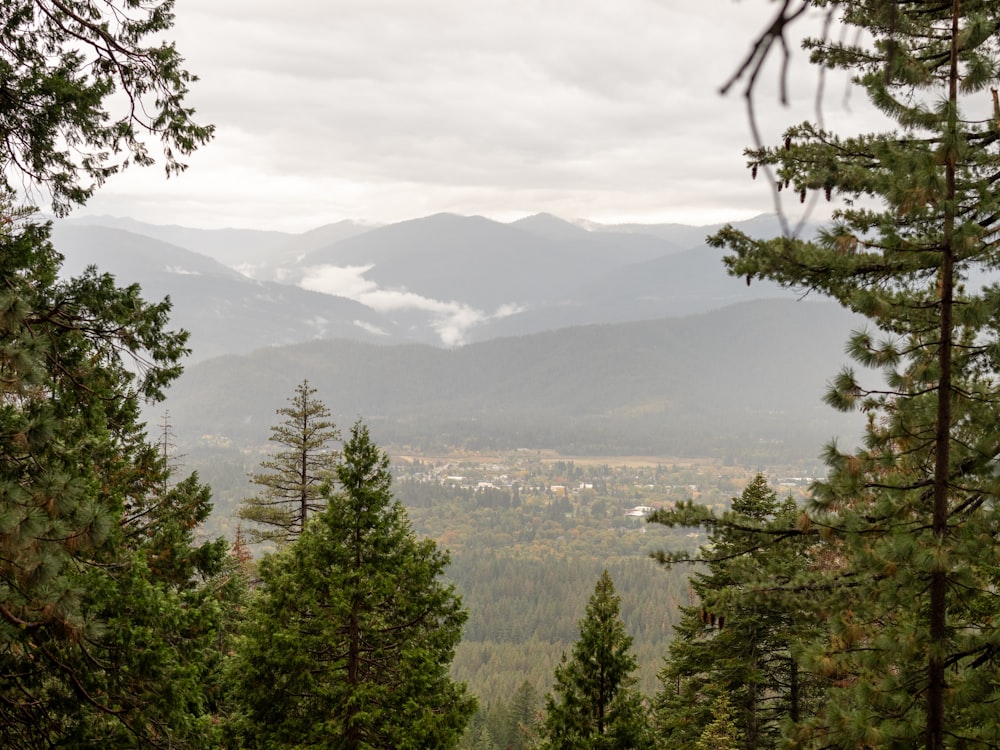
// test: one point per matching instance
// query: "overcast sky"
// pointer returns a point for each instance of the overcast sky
(384, 110)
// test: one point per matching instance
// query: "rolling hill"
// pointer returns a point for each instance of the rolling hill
(744, 382)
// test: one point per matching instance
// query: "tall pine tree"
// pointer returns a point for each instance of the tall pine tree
(105, 628)
(739, 639)
(104, 622)
(911, 656)
(349, 641)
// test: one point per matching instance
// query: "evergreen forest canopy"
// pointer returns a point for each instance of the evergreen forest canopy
(864, 618)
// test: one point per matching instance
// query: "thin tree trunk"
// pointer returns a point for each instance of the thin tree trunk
(942, 438)
(793, 689)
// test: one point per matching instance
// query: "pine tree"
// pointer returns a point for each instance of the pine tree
(736, 641)
(293, 478)
(911, 654)
(105, 625)
(509, 725)
(349, 642)
(524, 712)
(159, 598)
(84, 82)
(593, 703)
(105, 631)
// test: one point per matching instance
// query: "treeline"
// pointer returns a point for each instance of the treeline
(525, 599)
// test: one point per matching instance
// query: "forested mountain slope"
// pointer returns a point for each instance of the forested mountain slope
(225, 311)
(744, 382)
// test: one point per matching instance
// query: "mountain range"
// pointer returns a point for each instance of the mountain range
(455, 330)
(442, 280)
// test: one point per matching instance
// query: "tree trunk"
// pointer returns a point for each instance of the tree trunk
(942, 438)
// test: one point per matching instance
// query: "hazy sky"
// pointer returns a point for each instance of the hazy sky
(385, 110)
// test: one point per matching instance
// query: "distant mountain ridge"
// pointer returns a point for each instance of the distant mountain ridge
(584, 338)
(442, 279)
(226, 312)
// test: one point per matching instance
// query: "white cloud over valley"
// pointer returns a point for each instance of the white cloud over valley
(451, 320)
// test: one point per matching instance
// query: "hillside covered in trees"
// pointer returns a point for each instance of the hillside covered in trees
(521, 599)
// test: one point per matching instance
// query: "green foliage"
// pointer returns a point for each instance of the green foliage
(348, 643)
(511, 724)
(107, 613)
(83, 83)
(524, 612)
(738, 640)
(107, 616)
(518, 564)
(908, 565)
(293, 479)
(160, 612)
(722, 732)
(593, 703)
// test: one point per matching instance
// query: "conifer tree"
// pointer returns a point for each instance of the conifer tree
(524, 712)
(349, 641)
(84, 83)
(104, 623)
(594, 703)
(911, 656)
(153, 666)
(722, 732)
(737, 640)
(105, 632)
(292, 480)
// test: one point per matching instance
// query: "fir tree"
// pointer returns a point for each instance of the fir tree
(722, 732)
(593, 703)
(525, 714)
(737, 640)
(293, 479)
(911, 655)
(509, 725)
(349, 642)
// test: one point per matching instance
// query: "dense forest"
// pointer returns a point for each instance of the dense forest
(513, 601)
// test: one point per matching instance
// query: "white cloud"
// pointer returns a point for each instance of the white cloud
(342, 281)
(451, 320)
(391, 109)
(505, 311)
(371, 328)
